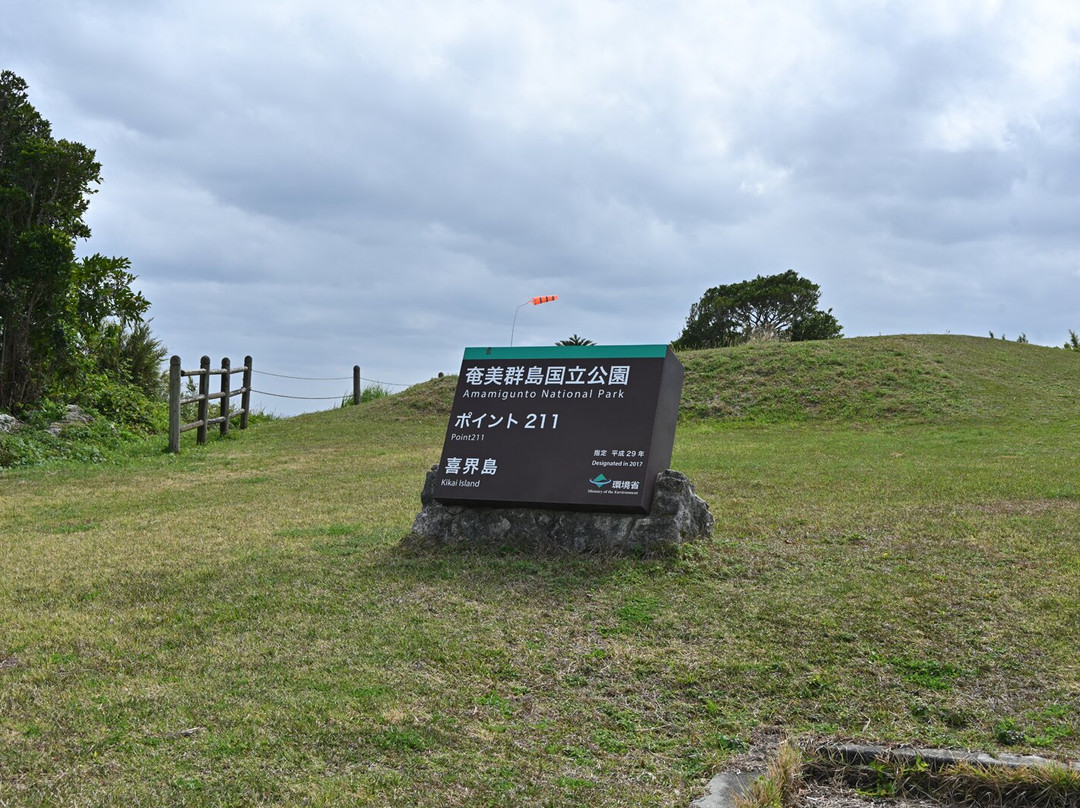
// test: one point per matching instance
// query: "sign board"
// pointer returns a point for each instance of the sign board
(579, 426)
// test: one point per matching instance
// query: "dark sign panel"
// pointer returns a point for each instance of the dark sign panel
(583, 427)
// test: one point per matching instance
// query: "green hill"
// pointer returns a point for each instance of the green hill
(911, 377)
(919, 377)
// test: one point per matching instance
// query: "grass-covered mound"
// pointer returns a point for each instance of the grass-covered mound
(433, 397)
(875, 378)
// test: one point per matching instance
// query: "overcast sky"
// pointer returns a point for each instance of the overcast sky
(323, 183)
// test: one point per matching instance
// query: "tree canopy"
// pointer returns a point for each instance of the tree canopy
(772, 307)
(54, 308)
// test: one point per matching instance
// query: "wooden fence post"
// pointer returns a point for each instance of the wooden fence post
(225, 408)
(245, 397)
(204, 399)
(355, 384)
(226, 378)
(174, 404)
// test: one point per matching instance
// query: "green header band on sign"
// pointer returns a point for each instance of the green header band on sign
(570, 352)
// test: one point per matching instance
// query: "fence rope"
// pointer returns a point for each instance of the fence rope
(305, 398)
(306, 378)
(321, 379)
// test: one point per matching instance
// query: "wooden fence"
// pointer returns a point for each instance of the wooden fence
(203, 420)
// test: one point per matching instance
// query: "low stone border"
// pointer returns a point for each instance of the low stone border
(858, 754)
(853, 763)
(946, 776)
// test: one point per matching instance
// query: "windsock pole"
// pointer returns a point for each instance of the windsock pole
(536, 301)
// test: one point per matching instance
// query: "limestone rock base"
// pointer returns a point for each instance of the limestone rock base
(677, 515)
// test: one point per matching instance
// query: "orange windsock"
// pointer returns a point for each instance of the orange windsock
(536, 301)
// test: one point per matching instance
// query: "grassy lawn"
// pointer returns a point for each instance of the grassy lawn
(896, 558)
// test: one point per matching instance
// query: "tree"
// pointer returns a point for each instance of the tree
(773, 307)
(575, 340)
(816, 325)
(52, 306)
(1074, 341)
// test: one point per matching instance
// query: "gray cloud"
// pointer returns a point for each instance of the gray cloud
(330, 183)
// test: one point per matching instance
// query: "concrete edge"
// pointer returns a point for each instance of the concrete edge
(856, 754)
(723, 788)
